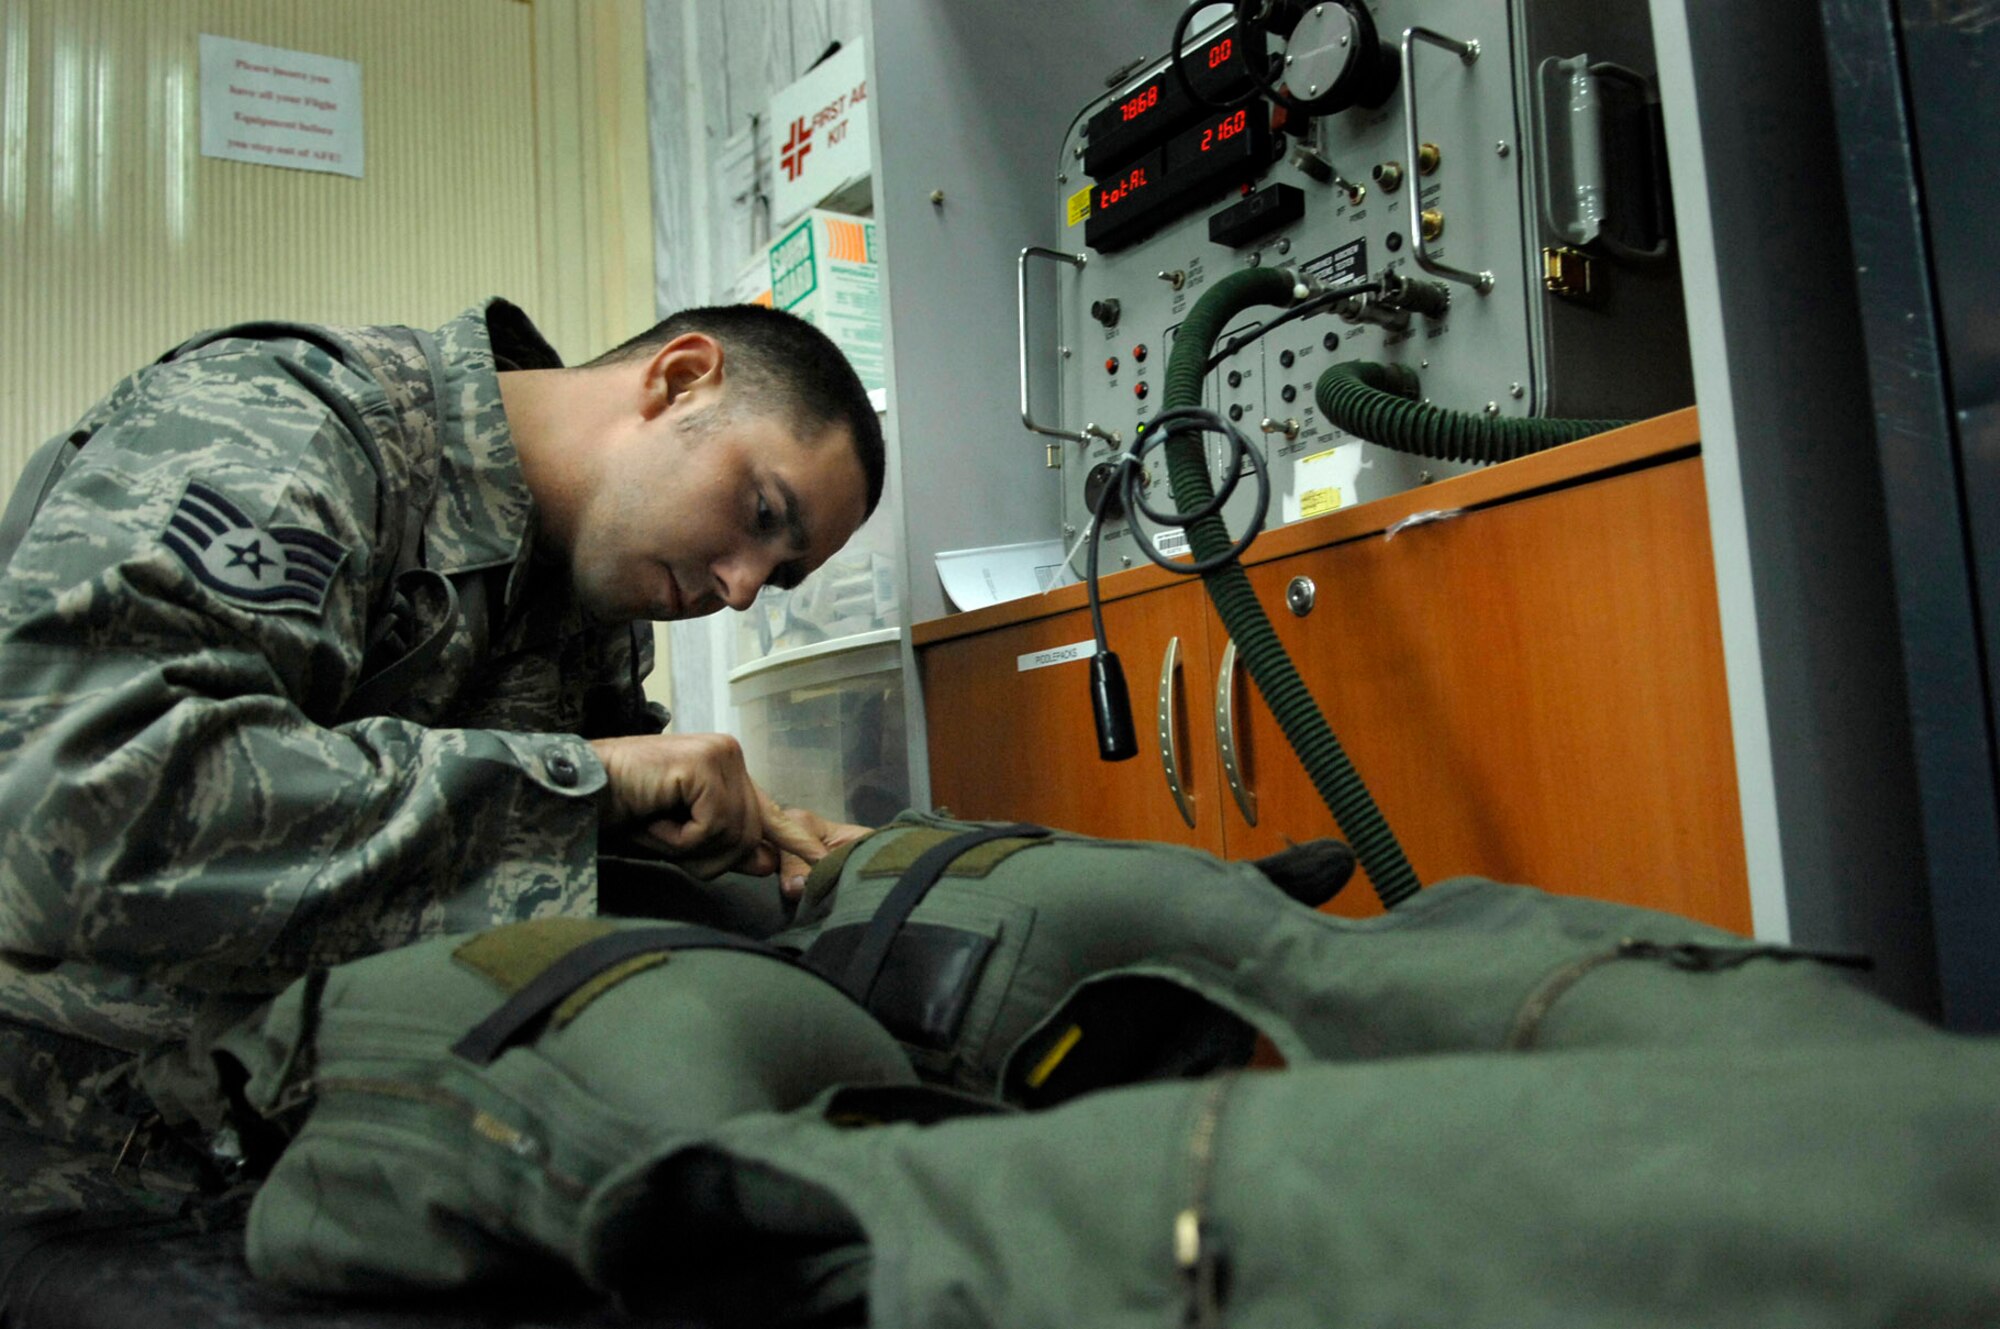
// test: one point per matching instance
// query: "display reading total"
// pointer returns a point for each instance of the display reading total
(1125, 186)
(1139, 105)
(1219, 54)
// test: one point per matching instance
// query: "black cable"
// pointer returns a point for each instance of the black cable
(1181, 75)
(1303, 309)
(1129, 485)
(1090, 563)
(1110, 700)
(1266, 83)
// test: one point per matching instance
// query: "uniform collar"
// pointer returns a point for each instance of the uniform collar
(482, 516)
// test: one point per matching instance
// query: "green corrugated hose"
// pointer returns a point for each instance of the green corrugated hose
(1326, 762)
(1372, 401)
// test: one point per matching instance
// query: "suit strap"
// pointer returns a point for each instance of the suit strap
(872, 950)
(503, 1027)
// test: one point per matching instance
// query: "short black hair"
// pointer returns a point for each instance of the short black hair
(784, 361)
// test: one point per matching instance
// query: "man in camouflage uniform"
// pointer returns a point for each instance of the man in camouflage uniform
(321, 644)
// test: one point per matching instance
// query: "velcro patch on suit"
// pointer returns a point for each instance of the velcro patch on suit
(276, 568)
(516, 954)
(897, 857)
(825, 874)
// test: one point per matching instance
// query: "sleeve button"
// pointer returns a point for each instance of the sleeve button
(562, 769)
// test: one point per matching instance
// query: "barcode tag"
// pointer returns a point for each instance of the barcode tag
(1171, 542)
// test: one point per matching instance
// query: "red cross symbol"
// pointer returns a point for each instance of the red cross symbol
(797, 144)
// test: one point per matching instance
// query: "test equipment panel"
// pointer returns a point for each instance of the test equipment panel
(1487, 177)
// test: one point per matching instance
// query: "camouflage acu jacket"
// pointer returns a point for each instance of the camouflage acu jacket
(191, 813)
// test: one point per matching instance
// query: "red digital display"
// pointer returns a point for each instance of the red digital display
(1139, 105)
(1123, 202)
(1229, 127)
(1160, 108)
(1125, 186)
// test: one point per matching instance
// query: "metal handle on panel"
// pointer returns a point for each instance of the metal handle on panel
(1021, 315)
(1170, 754)
(1467, 52)
(1225, 734)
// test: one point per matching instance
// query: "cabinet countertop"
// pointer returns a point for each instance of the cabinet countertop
(1648, 442)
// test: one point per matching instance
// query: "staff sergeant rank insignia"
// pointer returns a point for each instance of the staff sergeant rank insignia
(283, 567)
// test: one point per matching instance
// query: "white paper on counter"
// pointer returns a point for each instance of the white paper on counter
(976, 578)
(1323, 483)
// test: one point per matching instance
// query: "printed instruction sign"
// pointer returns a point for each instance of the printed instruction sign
(275, 107)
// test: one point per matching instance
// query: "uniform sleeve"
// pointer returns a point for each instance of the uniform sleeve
(183, 620)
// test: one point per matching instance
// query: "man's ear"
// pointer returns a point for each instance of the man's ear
(687, 369)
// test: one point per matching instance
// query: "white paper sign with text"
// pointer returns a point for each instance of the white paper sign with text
(276, 107)
(820, 128)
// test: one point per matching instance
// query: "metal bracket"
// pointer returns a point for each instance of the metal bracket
(1467, 52)
(1021, 315)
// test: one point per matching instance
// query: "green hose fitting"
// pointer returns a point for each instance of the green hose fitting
(1257, 645)
(1376, 402)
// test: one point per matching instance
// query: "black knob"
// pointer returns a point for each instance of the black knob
(1105, 312)
(1331, 341)
(1236, 412)
(1290, 393)
(1095, 485)
(1235, 378)
(1287, 359)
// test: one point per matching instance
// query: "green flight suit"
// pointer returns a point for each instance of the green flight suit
(1481, 1067)
(421, 1161)
(1039, 968)
(1851, 1183)
(202, 798)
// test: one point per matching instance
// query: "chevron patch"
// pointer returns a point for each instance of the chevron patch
(273, 568)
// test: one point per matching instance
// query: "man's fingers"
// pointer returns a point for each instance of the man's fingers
(792, 872)
(712, 859)
(787, 831)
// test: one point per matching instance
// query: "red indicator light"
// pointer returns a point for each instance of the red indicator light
(1140, 390)
(1139, 352)
(1111, 365)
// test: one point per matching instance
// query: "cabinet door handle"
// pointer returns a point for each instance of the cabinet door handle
(1170, 756)
(1225, 735)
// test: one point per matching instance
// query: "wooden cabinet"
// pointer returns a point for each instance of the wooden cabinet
(1532, 688)
(1017, 735)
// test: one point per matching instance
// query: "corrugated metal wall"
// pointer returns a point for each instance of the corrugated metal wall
(506, 153)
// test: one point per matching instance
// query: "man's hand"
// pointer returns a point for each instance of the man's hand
(827, 835)
(695, 802)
